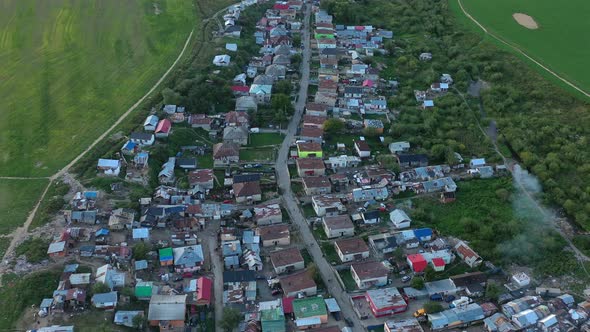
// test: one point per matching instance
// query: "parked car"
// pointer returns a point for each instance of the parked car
(349, 322)
(449, 298)
(436, 297)
(406, 278)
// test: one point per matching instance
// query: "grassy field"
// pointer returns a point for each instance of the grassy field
(17, 198)
(500, 224)
(70, 68)
(261, 154)
(18, 293)
(264, 139)
(558, 41)
(347, 279)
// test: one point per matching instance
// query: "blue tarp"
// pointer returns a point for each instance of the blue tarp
(423, 234)
(102, 232)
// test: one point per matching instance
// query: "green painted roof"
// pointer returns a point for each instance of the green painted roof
(273, 326)
(143, 289)
(272, 320)
(166, 254)
(309, 307)
(272, 314)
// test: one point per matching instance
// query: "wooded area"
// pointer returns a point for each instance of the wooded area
(546, 127)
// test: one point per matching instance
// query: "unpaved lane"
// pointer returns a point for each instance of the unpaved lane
(519, 50)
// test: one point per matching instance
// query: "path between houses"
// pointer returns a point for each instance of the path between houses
(519, 50)
(19, 234)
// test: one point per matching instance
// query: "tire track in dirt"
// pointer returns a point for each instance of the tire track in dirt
(521, 52)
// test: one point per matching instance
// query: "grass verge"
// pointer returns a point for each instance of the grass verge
(17, 198)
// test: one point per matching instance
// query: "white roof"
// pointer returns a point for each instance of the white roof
(477, 162)
(151, 120)
(397, 216)
(110, 163)
(224, 58)
(56, 328)
(56, 247)
(231, 47)
(302, 322)
(167, 307)
(141, 233)
(400, 145)
(80, 278)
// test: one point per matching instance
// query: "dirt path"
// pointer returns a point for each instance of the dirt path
(20, 233)
(512, 165)
(23, 178)
(519, 50)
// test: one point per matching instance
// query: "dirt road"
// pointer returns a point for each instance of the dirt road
(20, 233)
(519, 50)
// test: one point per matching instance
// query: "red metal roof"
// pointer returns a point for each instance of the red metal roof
(288, 305)
(240, 88)
(164, 126)
(418, 262)
(204, 290)
(438, 261)
(280, 6)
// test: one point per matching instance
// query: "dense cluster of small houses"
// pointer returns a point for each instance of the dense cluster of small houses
(265, 271)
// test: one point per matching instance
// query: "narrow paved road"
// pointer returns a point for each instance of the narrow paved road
(289, 199)
(217, 269)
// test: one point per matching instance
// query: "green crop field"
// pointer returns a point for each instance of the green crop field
(71, 67)
(16, 200)
(560, 42)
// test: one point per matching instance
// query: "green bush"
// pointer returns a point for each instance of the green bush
(19, 293)
(34, 249)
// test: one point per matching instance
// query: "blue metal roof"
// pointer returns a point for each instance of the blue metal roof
(141, 233)
(174, 209)
(141, 265)
(90, 194)
(102, 232)
(129, 146)
(248, 237)
(332, 305)
(423, 232)
(71, 268)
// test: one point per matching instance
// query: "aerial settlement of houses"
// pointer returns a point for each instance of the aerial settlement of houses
(227, 241)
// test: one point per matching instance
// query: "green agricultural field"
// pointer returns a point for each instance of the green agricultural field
(70, 68)
(17, 198)
(559, 43)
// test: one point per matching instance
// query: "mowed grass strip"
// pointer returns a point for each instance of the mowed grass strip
(257, 154)
(17, 198)
(71, 68)
(265, 139)
(558, 42)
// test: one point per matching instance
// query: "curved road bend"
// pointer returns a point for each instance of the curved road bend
(291, 202)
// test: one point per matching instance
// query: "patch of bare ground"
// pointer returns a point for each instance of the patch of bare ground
(525, 20)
